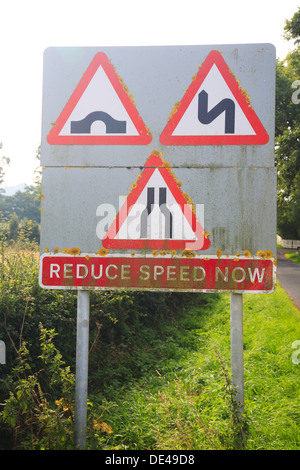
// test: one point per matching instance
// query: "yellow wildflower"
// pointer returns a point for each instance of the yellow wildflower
(265, 254)
(188, 253)
(74, 251)
(102, 252)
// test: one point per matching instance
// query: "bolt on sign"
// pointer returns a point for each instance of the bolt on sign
(158, 168)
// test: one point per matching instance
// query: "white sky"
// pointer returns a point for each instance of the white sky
(29, 26)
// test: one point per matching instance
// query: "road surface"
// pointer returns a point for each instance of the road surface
(288, 274)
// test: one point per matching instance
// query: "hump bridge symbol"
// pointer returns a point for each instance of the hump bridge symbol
(113, 126)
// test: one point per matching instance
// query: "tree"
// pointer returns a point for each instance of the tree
(25, 204)
(287, 76)
(292, 28)
(288, 196)
(3, 162)
(287, 131)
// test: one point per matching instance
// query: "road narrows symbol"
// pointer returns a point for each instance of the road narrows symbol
(162, 204)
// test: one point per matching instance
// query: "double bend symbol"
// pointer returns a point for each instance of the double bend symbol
(206, 117)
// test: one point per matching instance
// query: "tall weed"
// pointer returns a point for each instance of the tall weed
(36, 419)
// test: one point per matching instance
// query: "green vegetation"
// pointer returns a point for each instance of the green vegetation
(287, 132)
(187, 403)
(159, 363)
(21, 211)
(293, 257)
(159, 367)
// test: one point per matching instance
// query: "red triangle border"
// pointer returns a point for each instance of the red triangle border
(261, 137)
(54, 137)
(109, 241)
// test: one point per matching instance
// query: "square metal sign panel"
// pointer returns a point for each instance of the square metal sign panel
(198, 105)
(159, 168)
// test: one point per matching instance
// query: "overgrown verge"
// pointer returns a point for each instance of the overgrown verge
(189, 403)
(129, 331)
(158, 367)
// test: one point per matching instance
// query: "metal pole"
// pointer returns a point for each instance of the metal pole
(237, 349)
(81, 380)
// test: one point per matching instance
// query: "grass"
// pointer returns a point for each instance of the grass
(186, 402)
(293, 257)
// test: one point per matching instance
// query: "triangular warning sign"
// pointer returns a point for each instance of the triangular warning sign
(214, 111)
(156, 214)
(100, 111)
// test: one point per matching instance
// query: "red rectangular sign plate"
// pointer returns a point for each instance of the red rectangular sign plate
(206, 274)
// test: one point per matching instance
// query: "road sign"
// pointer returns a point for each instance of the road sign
(156, 214)
(100, 111)
(214, 110)
(220, 140)
(206, 196)
(168, 272)
(93, 204)
(157, 77)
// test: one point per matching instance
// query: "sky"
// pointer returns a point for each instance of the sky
(28, 27)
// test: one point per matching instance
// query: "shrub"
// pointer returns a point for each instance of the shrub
(32, 413)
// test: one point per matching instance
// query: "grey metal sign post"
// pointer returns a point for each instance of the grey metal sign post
(2, 353)
(82, 359)
(237, 348)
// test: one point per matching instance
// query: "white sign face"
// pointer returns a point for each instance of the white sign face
(181, 101)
